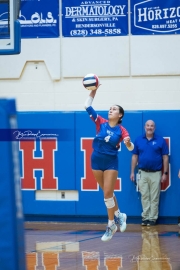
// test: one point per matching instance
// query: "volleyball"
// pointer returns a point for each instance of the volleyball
(91, 82)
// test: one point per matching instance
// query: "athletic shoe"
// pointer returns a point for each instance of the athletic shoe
(121, 220)
(151, 223)
(145, 222)
(110, 231)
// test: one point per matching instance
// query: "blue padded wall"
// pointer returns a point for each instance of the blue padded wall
(72, 163)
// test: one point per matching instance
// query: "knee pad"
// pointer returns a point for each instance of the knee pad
(109, 203)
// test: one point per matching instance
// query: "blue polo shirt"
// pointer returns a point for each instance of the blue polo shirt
(150, 152)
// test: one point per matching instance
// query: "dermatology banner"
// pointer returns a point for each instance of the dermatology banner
(39, 19)
(155, 17)
(94, 18)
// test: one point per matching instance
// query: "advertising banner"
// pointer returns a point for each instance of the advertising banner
(94, 18)
(155, 17)
(4, 24)
(39, 19)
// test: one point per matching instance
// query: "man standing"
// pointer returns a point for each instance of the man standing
(151, 154)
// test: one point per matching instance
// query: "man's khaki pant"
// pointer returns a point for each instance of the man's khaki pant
(149, 186)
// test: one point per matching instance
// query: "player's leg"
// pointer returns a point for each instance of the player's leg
(116, 208)
(110, 177)
(97, 169)
(98, 175)
(109, 180)
(118, 216)
(112, 167)
(110, 204)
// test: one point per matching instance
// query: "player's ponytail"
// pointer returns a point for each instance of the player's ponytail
(121, 111)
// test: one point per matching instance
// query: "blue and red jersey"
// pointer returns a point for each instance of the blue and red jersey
(107, 140)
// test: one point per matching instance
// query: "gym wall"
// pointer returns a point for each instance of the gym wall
(139, 72)
(56, 177)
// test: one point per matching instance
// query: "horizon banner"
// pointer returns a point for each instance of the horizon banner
(39, 19)
(94, 18)
(155, 17)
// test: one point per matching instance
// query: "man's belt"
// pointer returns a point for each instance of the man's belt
(147, 170)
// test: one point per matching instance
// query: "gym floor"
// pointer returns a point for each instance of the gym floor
(77, 246)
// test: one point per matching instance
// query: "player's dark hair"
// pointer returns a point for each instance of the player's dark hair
(121, 110)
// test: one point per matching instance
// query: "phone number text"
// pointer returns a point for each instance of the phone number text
(97, 32)
(165, 26)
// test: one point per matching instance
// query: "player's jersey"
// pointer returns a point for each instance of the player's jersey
(107, 140)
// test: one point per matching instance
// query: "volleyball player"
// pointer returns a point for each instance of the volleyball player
(104, 160)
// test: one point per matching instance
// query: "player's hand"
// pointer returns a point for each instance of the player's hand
(127, 141)
(93, 92)
(98, 86)
(179, 174)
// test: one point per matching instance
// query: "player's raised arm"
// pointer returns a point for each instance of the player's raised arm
(90, 99)
(90, 82)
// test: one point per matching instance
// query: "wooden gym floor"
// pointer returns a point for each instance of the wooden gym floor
(77, 246)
